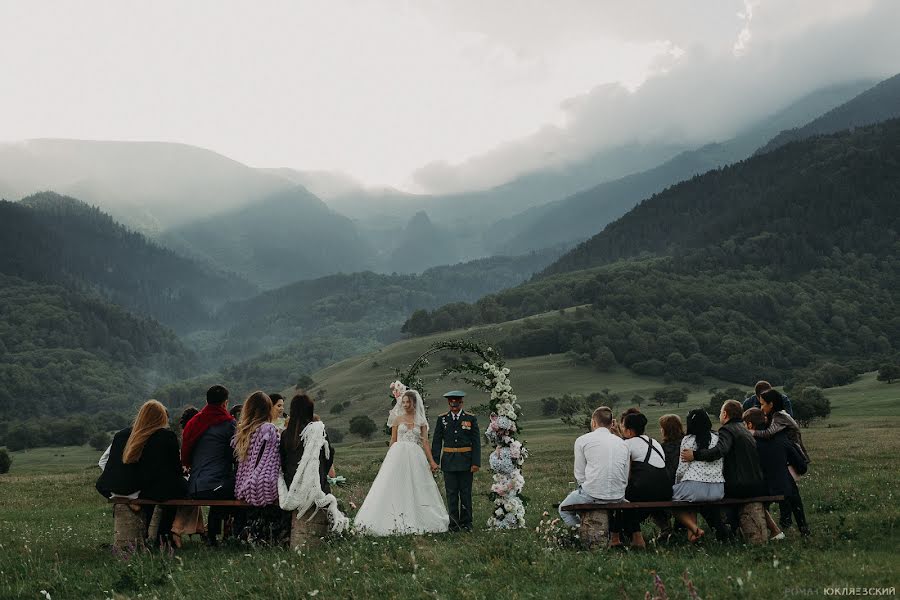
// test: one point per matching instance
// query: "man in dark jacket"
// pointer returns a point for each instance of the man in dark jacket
(743, 475)
(759, 389)
(206, 451)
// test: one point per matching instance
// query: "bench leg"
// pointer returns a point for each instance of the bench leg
(129, 527)
(306, 532)
(594, 528)
(753, 523)
(153, 528)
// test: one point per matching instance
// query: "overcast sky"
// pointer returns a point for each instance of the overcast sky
(424, 95)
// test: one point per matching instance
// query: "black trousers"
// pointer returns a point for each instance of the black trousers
(218, 514)
(647, 484)
(458, 485)
(166, 518)
(792, 505)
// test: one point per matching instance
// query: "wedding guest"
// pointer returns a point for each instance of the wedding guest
(143, 462)
(206, 451)
(776, 456)
(186, 415)
(647, 480)
(235, 412)
(255, 445)
(618, 426)
(302, 411)
(737, 448)
(699, 481)
(672, 430)
(777, 419)
(601, 467)
(188, 519)
(277, 406)
(758, 390)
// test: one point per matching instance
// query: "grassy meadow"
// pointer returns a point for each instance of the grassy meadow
(55, 529)
(363, 380)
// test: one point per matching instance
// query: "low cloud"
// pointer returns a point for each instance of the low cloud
(776, 53)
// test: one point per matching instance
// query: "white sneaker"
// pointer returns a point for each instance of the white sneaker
(780, 536)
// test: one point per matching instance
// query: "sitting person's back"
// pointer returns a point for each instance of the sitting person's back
(118, 478)
(212, 460)
(256, 449)
(698, 481)
(672, 430)
(206, 451)
(153, 470)
(737, 448)
(291, 449)
(601, 466)
(143, 462)
(206, 446)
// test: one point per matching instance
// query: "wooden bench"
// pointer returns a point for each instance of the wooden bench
(595, 517)
(308, 530)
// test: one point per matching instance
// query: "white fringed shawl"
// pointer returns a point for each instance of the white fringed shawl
(305, 491)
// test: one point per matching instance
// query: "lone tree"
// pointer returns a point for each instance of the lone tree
(362, 426)
(675, 396)
(810, 404)
(5, 461)
(889, 373)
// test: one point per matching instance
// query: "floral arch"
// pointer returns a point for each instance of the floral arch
(491, 376)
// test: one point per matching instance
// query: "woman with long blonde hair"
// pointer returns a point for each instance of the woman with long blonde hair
(144, 462)
(256, 446)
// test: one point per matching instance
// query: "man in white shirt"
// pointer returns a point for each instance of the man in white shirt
(601, 467)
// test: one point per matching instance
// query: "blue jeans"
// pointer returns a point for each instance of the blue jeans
(578, 497)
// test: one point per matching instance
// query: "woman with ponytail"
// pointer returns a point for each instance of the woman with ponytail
(144, 462)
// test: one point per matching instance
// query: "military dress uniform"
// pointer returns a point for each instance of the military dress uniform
(460, 439)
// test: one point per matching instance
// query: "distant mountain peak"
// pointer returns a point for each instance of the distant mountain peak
(420, 220)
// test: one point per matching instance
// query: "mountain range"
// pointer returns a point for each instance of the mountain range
(240, 219)
(768, 255)
(770, 268)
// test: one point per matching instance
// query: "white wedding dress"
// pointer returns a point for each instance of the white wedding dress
(404, 497)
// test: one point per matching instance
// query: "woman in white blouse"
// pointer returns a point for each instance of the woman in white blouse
(697, 481)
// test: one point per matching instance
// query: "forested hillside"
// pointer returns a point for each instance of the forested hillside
(584, 214)
(341, 315)
(56, 239)
(880, 103)
(63, 352)
(787, 209)
(772, 268)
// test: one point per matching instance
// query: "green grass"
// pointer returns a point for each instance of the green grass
(865, 397)
(54, 531)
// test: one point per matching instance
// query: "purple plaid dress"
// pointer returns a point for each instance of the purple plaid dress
(256, 482)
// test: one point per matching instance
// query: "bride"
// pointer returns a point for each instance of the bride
(404, 497)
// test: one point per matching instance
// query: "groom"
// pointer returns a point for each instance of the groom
(457, 431)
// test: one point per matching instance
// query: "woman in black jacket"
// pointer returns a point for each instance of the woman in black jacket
(144, 462)
(302, 414)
